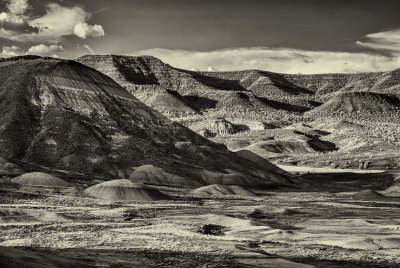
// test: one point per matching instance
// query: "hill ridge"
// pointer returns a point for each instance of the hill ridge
(247, 94)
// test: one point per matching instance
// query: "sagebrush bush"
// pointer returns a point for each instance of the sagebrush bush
(212, 229)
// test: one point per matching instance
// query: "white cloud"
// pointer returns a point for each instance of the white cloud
(10, 18)
(41, 50)
(284, 60)
(387, 40)
(84, 30)
(44, 50)
(11, 51)
(13, 21)
(18, 7)
(58, 21)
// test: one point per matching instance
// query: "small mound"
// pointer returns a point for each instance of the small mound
(369, 195)
(218, 189)
(156, 175)
(40, 179)
(124, 190)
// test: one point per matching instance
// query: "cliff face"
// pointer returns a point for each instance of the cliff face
(64, 115)
(238, 93)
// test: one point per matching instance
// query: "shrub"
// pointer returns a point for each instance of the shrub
(254, 244)
(212, 229)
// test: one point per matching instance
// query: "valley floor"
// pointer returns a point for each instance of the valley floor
(323, 227)
(302, 169)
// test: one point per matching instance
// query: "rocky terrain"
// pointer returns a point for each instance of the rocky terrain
(62, 115)
(282, 117)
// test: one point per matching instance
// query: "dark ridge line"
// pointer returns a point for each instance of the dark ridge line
(27, 57)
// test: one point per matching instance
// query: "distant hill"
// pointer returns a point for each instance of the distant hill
(360, 105)
(249, 94)
(147, 76)
(64, 115)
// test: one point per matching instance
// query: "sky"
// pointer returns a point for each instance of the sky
(287, 36)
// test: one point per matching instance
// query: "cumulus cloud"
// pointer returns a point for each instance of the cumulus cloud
(41, 50)
(13, 24)
(10, 18)
(84, 30)
(44, 50)
(387, 40)
(13, 21)
(284, 60)
(18, 7)
(11, 51)
(57, 21)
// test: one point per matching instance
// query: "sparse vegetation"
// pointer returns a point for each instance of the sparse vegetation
(212, 229)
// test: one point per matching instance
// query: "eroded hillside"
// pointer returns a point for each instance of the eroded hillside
(63, 115)
(258, 110)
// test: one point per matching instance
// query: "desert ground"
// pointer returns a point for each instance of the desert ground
(346, 221)
(226, 169)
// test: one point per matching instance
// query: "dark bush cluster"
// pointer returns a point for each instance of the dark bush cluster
(212, 229)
